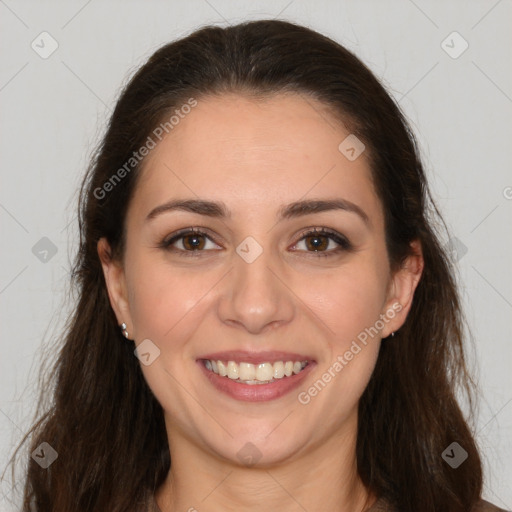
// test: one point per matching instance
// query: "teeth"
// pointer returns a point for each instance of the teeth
(278, 370)
(264, 371)
(232, 370)
(249, 373)
(222, 369)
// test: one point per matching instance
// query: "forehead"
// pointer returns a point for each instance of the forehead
(252, 152)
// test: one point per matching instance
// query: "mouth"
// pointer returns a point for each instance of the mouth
(254, 374)
(251, 376)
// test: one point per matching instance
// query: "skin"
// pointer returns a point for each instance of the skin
(255, 156)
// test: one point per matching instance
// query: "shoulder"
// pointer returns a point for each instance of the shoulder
(482, 506)
(485, 506)
(380, 506)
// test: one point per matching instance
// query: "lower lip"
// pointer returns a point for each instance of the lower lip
(256, 392)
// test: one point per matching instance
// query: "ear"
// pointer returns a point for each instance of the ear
(116, 284)
(401, 290)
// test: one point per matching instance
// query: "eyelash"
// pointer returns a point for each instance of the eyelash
(343, 243)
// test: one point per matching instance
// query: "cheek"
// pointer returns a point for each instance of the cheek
(348, 301)
(353, 345)
(166, 305)
(166, 302)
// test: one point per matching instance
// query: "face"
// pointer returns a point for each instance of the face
(292, 299)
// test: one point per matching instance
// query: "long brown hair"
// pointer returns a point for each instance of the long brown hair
(104, 422)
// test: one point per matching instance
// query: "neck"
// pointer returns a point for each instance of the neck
(323, 478)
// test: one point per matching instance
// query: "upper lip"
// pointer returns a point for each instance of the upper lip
(244, 356)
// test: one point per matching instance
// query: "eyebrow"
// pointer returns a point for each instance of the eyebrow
(292, 210)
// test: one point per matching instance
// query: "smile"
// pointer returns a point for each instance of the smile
(254, 374)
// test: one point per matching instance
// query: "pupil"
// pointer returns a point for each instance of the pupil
(317, 242)
(194, 242)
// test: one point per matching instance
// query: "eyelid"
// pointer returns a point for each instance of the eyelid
(343, 242)
(181, 233)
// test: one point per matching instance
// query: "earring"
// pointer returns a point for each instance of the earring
(393, 334)
(124, 331)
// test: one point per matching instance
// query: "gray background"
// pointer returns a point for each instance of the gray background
(54, 111)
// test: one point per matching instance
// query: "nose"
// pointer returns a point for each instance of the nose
(255, 297)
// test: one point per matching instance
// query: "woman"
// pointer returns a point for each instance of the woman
(266, 317)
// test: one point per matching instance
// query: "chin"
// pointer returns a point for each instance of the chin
(250, 449)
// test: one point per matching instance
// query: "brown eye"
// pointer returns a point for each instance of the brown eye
(322, 242)
(189, 242)
(317, 242)
(193, 242)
